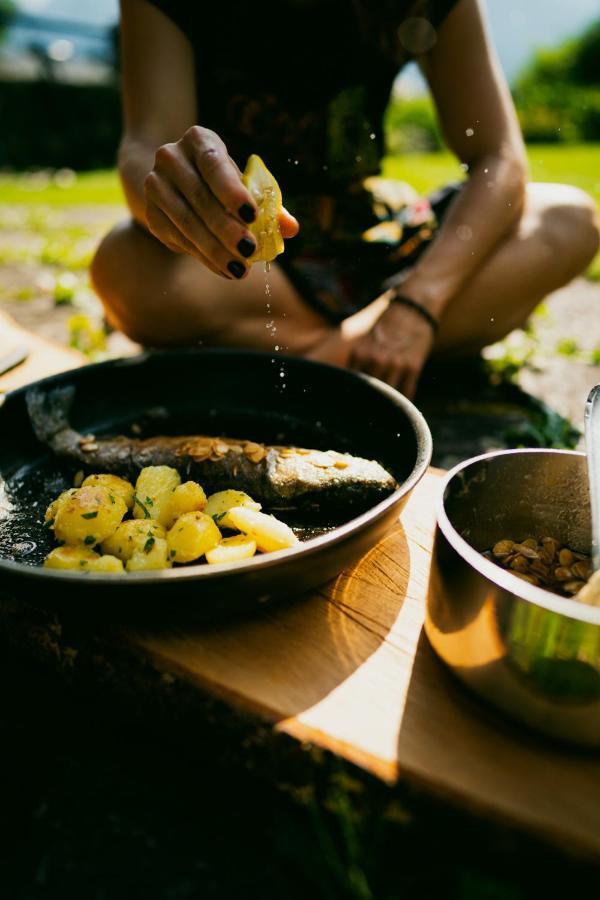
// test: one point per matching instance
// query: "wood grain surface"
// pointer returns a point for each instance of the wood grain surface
(348, 669)
(45, 357)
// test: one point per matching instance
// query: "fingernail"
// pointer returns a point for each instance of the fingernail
(236, 268)
(246, 247)
(247, 212)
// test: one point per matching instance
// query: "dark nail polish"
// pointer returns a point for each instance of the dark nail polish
(236, 268)
(247, 212)
(246, 247)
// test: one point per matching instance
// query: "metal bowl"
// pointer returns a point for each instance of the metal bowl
(231, 392)
(531, 653)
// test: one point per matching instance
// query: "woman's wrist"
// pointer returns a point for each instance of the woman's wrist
(431, 297)
(401, 299)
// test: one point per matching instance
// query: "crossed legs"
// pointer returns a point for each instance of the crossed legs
(160, 298)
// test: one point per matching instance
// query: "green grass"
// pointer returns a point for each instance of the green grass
(40, 188)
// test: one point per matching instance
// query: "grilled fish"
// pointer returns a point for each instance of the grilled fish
(277, 476)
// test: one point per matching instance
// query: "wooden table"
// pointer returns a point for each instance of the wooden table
(349, 669)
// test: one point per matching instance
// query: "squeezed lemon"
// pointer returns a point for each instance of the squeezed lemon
(267, 196)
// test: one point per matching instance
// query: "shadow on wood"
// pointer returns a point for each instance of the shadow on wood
(284, 662)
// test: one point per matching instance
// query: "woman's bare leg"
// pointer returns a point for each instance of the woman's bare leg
(555, 240)
(160, 298)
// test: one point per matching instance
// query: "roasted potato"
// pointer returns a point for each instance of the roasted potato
(192, 535)
(153, 490)
(108, 564)
(70, 558)
(231, 550)
(268, 532)
(56, 505)
(153, 556)
(131, 536)
(116, 485)
(187, 497)
(219, 504)
(88, 516)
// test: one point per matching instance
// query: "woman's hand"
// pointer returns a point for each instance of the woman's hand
(395, 349)
(196, 203)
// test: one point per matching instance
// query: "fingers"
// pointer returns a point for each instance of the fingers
(210, 157)
(162, 227)
(372, 360)
(200, 241)
(226, 228)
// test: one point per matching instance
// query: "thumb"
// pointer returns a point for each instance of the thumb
(288, 223)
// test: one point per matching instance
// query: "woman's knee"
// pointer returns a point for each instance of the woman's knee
(568, 224)
(120, 272)
(108, 271)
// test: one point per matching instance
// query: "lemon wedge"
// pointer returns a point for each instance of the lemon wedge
(267, 196)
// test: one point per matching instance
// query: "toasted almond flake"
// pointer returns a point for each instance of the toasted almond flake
(201, 454)
(302, 451)
(78, 479)
(341, 464)
(257, 456)
(89, 447)
(221, 447)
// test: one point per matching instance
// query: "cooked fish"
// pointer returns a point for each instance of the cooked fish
(291, 477)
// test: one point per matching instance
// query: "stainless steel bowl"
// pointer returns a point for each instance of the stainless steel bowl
(531, 653)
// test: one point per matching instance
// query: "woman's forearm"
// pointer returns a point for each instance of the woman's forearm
(482, 214)
(136, 159)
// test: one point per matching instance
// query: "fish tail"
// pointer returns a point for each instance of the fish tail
(49, 412)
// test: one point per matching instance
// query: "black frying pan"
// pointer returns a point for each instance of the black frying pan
(227, 392)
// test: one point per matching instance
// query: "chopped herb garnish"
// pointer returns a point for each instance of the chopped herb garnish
(90, 515)
(149, 544)
(83, 562)
(139, 503)
(149, 501)
(173, 553)
(49, 523)
(112, 499)
(218, 517)
(90, 539)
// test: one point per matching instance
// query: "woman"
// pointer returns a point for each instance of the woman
(371, 281)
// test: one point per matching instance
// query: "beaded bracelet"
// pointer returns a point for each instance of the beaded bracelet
(421, 310)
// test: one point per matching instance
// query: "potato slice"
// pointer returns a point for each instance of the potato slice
(153, 489)
(187, 497)
(232, 549)
(192, 535)
(154, 557)
(71, 558)
(54, 507)
(219, 504)
(131, 536)
(88, 516)
(268, 532)
(116, 485)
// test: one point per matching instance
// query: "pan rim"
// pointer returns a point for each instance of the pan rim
(201, 572)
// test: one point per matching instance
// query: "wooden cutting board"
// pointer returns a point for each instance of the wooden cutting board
(44, 356)
(349, 670)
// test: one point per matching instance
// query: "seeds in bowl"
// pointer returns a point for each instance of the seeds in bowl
(545, 563)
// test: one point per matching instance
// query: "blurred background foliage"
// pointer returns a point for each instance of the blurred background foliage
(557, 97)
